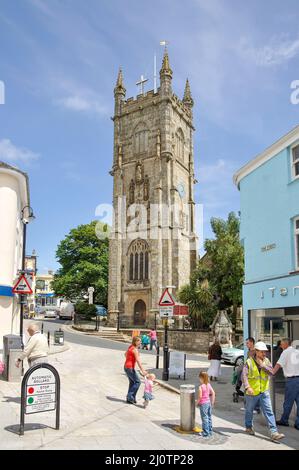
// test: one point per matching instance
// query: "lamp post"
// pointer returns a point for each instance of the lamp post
(25, 220)
(165, 374)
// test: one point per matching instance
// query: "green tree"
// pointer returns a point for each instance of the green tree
(200, 298)
(83, 257)
(226, 258)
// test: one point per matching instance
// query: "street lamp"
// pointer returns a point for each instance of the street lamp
(27, 216)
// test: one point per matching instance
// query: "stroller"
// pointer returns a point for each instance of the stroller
(237, 382)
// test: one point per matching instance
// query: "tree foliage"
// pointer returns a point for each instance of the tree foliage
(84, 263)
(216, 283)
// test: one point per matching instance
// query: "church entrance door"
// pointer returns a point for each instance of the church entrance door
(139, 312)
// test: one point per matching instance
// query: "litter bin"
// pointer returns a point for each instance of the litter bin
(59, 337)
(12, 346)
(187, 407)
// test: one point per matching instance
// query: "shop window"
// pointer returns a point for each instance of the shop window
(297, 242)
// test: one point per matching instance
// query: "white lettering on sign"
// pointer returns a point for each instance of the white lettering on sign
(39, 399)
(272, 289)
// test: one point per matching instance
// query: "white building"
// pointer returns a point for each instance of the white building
(14, 196)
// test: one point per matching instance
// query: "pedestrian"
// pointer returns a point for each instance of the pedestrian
(36, 349)
(153, 338)
(215, 353)
(145, 341)
(289, 362)
(255, 378)
(132, 356)
(205, 401)
(250, 346)
(148, 388)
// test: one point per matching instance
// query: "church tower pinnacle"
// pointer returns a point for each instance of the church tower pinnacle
(188, 100)
(165, 75)
(119, 92)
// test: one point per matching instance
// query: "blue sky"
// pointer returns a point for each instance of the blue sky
(59, 61)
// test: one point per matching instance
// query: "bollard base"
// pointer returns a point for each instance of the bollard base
(195, 430)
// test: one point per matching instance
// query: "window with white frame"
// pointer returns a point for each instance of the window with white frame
(297, 242)
(295, 161)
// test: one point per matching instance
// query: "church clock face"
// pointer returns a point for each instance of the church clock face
(181, 190)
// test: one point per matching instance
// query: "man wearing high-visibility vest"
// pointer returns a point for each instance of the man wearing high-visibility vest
(255, 379)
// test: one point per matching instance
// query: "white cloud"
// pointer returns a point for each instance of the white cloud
(278, 51)
(11, 153)
(80, 103)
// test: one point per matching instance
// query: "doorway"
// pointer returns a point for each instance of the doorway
(139, 312)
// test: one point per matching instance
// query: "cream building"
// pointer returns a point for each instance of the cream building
(152, 243)
(44, 294)
(14, 196)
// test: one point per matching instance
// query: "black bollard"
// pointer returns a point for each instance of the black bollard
(49, 338)
(42, 328)
(157, 357)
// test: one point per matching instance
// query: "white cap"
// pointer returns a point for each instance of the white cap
(260, 346)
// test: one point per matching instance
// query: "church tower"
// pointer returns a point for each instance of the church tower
(152, 242)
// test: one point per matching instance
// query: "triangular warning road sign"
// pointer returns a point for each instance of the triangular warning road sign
(166, 299)
(22, 286)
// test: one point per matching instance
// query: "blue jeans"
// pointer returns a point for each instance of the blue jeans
(291, 394)
(134, 384)
(206, 418)
(266, 406)
(153, 343)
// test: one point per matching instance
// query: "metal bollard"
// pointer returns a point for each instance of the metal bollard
(157, 357)
(42, 328)
(187, 407)
(48, 338)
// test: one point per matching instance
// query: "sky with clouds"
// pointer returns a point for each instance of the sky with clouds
(59, 61)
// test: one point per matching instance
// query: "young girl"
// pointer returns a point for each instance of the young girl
(205, 391)
(148, 388)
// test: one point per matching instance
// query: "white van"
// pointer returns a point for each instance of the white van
(66, 311)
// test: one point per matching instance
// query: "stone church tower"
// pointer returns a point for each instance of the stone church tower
(152, 243)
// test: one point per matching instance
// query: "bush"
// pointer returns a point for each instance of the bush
(89, 310)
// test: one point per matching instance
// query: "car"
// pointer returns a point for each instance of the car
(234, 355)
(101, 310)
(51, 313)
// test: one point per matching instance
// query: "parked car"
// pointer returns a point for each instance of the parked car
(234, 355)
(50, 313)
(101, 310)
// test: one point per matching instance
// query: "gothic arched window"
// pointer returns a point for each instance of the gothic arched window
(138, 256)
(180, 144)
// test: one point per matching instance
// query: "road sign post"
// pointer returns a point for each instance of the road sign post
(166, 304)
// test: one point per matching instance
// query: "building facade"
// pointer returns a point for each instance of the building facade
(44, 294)
(152, 243)
(14, 197)
(269, 188)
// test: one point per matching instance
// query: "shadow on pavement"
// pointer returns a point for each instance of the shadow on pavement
(15, 428)
(119, 400)
(12, 400)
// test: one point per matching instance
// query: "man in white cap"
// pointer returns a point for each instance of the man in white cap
(255, 379)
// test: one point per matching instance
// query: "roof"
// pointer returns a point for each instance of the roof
(22, 174)
(270, 152)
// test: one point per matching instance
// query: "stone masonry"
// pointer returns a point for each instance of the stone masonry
(152, 242)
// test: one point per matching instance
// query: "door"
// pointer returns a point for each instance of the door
(139, 312)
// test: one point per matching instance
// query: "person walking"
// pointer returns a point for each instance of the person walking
(215, 353)
(289, 362)
(153, 339)
(205, 401)
(132, 357)
(255, 379)
(149, 380)
(36, 349)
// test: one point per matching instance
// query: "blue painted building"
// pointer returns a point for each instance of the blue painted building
(269, 189)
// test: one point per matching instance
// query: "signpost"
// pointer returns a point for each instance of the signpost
(40, 392)
(166, 304)
(22, 286)
(90, 295)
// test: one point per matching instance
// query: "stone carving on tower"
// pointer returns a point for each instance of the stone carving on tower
(152, 168)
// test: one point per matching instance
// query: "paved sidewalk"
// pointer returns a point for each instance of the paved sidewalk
(94, 414)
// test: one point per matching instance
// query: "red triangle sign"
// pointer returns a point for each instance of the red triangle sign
(166, 299)
(22, 286)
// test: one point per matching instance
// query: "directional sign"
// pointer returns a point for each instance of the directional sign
(166, 299)
(166, 312)
(22, 286)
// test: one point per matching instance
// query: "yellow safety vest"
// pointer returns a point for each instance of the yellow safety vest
(258, 380)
